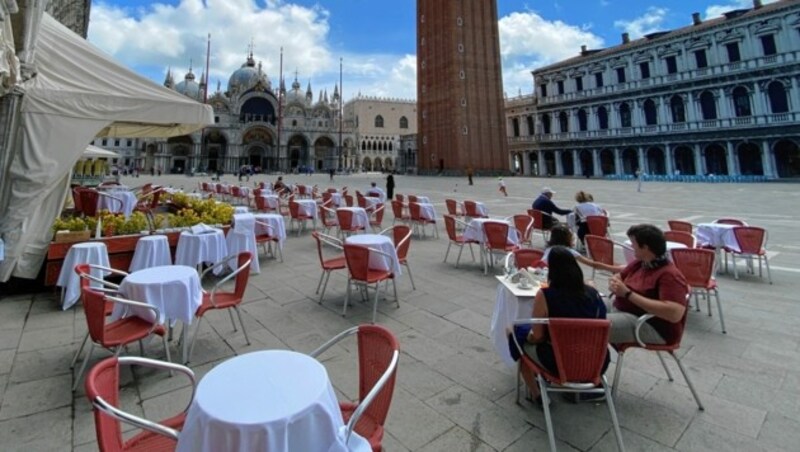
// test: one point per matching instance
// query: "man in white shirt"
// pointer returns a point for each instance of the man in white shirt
(374, 190)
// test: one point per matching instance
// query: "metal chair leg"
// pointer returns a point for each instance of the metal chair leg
(664, 365)
(232, 321)
(194, 339)
(244, 330)
(613, 412)
(78, 352)
(688, 382)
(375, 302)
(410, 276)
(617, 374)
(447, 253)
(396, 300)
(83, 366)
(460, 250)
(719, 307)
(551, 435)
(346, 298)
(319, 284)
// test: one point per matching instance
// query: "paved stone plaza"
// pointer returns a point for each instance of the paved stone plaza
(453, 393)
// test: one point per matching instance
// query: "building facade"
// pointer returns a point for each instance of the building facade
(378, 125)
(459, 88)
(74, 14)
(720, 96)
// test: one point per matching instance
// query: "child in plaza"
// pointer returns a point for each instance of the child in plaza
(502, 186)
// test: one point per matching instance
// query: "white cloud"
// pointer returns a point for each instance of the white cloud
(528, 41)
(649, 22)
(160, 36)
(717, 10)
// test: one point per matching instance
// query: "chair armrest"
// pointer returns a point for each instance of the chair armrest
(639, 322)
(376, 389)
(265, 225)
(227, 277)
(138, 304)
(331, 342)
(134, 420)
(403, 240)
(156, 364)
(330, 240)
(529, 321)
(109, 269)
(121, 202)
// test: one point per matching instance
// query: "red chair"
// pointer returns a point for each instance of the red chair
(697, 266)
(89, 198)
(471, 210)
(360, 273)
(680, 237)
(102, 390)
(669, 348)
(329, 264)
(419, 221)
(752, 245)
(524, 225)
(680, 225)
(328, 217)
(397, 211)
(580, 347)
(268, 239)
(538, 223)
(401, 237)
(376, 219)
(399, 197)
(298, 217)
(496, 233)
(76, 199)
(348, 200)
(346, 226)
(452, 208)
(527, 257)
(219, 299)
(263, 206)
(378, 354)
(412, 198)
(450, 223)
(599, 249)
(118, 333)
(597, 224)
(732, 221)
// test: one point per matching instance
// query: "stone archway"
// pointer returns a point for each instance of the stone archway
(749, 157)
(549, 163)
(377, 165)
(587, 163)
(366, 164)
(324, 154)
(607, 163)
(215, 149)
(716, 162)
(567, 165)
(684, 160)
(656, 163)
(630, 161)
(297, 152)
(787, 158)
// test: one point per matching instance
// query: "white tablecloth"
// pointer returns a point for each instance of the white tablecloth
(628, 251)
(474, 230)
(277, 223)
(307, 207)
(112, 205)
(241, 209)
(151, 251)
(80, 253)
(195, 249)
(372, 203)
(337, 199)
(174, 289)
(427, 211)
(274, 400)
(242, 237)
(508, 308)
(272, 201)
(480, 208)
(375, 191)
(718, 235)
(382, 243)
(360, 217)
(423, 199)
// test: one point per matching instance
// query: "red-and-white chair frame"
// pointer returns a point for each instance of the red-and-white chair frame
(329, 265)
(744, 235)
(267, 240)
(697, 266)
(457, 239)
(351, 252)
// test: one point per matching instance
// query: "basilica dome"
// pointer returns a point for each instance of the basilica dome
(247, 77)
(188, 87)
(296, 95)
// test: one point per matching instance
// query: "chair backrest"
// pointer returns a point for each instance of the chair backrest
(680, 225)
(526, 257)
(327, 219)
(696, 264)
(377, 347)
(348, 199)
(76, 198)
(733, 221)
(496, 234)
(524, 225)
(89, 199)
(580, 347)
(261, 203)
(600, 249)
(294, 209)
(412, 198)
(751, 239)
(327, 197)
(450, 227)
(362, 202)
(471, 209)
(397, 209)
(345, 218)
(680, 237)
(452, 206)
(378, 218)
(243, 275)
(538, 218)
(598, 225)
(401, 236)
(414, 210)
(315, 234)
(399, 197)
(103, 381)
(357, 258)
(94, 308)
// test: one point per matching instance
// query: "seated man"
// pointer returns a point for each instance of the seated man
(279, 187)
(545, 204)
(651, 284)
(374, 190)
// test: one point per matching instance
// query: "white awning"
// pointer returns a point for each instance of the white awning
(93, 152)
(79, 93)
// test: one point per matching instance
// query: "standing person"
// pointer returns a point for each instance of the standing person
(545, 204)
(638, 180)
(390, 187)
(502, 186)
(331, 172)
(469, 174)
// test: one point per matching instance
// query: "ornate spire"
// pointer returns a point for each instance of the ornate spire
(169, 82)
(336, 93)
(309, 94)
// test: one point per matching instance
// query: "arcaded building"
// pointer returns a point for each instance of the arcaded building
(378, 126)
(719, 96)
(459, 88)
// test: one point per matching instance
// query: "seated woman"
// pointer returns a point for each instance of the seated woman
(585, 207)
(567, 296)
(561, 236)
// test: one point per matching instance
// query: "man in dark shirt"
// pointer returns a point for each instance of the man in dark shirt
(545, 204)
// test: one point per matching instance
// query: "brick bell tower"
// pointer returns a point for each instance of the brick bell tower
(460, 118)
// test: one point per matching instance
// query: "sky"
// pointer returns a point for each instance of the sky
(373, 39)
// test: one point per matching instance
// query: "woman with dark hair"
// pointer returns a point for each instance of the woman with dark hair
(561, 236)
(566, 296)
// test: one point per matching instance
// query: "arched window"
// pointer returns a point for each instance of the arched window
(650, 114)
(546, 123)
(379, 121)
(741, 102)
(625, 115)
(602, 118)
(563, 122)
(390, 146)
(403, 122)
(708, 105)
(777, 97)
(676, 107)
(363, 145)
(583, 122)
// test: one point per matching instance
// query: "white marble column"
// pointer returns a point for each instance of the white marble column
(730, 157)
(669, 161)
(618, 167)
(598, 170)
(526, 163)
(699, 161)
(642, 161)
(767, 161)
(577, 169)
(540, 159)
(559, 166)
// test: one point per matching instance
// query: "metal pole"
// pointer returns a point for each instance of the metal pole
(341, 113)
(280, 109)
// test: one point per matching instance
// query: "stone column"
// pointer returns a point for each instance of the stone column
(526, 163)
(540, 159)
(598, 170)
(559, 166)
(699, 161)
(730, 157)
(669, 160)
(577, 168)
(640, 153)
(618, 169)
(766, 160)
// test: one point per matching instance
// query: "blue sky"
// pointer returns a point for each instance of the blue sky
(375, 38)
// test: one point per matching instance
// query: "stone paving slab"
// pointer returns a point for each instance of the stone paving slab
(453, 392)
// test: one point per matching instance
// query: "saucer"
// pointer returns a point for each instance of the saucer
(525, 286)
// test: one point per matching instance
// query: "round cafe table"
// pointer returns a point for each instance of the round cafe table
(273, 400)
(151, 251)
(80, 253)
(381, 243)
